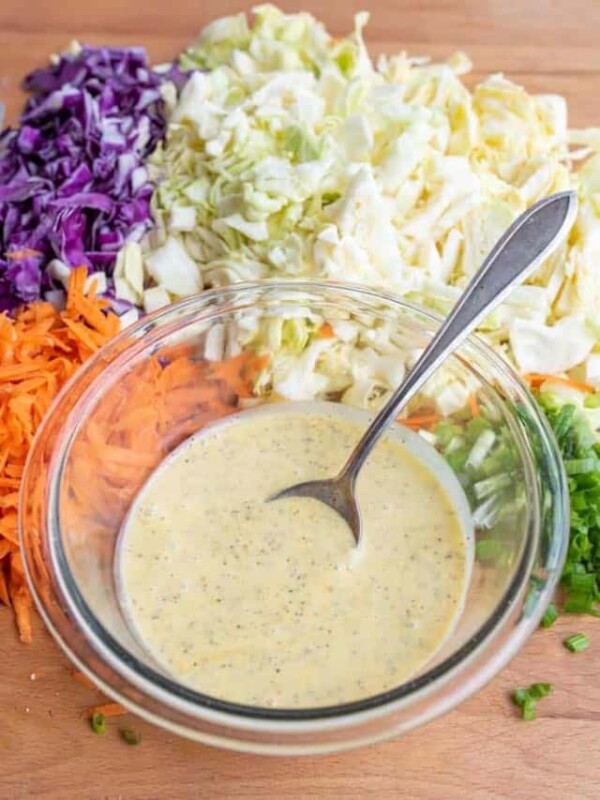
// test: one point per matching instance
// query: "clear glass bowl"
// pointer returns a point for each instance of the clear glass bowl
(101, 439)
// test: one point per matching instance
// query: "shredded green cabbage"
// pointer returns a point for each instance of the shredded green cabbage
(290, 153)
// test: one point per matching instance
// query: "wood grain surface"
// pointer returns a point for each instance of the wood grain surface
(480, 750)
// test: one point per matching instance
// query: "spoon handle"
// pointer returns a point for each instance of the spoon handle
(526, 243)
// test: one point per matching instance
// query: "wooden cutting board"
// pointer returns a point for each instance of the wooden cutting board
(480, 750)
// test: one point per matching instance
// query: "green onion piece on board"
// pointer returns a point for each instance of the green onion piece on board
(577, 642)
(550, 616)
(130, 737)
(539, 690)
(98, 723)
(526, 699)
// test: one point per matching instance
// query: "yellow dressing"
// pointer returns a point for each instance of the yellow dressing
(271, 604)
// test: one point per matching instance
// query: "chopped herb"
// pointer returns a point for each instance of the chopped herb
(550, 616)
(520, 695)
(577, 642)
(481, 451)
(490, 550)
(528, 711)
(539, 690)
(526, 699)
(98, 723)
(580, 452)
(130, 736)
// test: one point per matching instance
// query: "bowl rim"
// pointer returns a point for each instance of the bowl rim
(199, 705)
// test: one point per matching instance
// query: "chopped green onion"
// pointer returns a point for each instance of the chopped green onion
(98, 723)
(581, 454)
(528, 711)
(564, 420)
(581, 604)
(539, 690)
(486, 514)
(456, 445)
(457, 459)
(592, 401)
(526, 699)
(475, 427)
(481, 448)
(446, 432)
(490, 550)
(577, 642)
(520, 696)
(130, 736)
(550, 616)
(489, 486)
(580, 466)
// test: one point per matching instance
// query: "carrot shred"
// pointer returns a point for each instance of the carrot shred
(420, 421)
(4, 593)
(108, 710)
(8, 527)
(83, 679)
(21, 603)
(40, 349)
(326, 331)
(160, 403)
(237, 372)
(536, 379)
(473, 405)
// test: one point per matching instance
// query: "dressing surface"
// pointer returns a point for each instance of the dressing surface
(271, 603)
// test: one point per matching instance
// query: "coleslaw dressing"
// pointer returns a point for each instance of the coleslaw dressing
(271, 604)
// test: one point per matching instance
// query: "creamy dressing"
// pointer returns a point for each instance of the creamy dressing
(271, 604)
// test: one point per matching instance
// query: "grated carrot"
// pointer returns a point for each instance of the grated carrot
(83, 679)
(536, 379)
(326, 331)
(40, 348)
(238, 372)
(108, 710)
(4, 594)
(420, 421)
(473, 405)
(163, 401)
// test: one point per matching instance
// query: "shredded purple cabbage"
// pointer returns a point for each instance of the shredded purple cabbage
(73, 185)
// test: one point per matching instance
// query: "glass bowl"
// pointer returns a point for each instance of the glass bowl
(128, 407)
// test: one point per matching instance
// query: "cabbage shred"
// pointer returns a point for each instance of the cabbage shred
(73, 184)
(290, 153)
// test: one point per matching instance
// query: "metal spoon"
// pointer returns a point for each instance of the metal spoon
(528, 241)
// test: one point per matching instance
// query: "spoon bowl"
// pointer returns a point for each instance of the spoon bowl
(337, 493)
